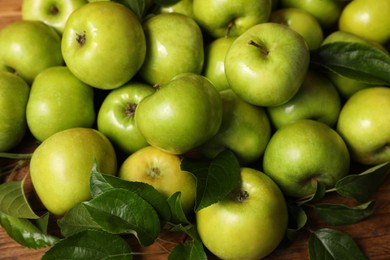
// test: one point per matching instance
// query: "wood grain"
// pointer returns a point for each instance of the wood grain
(372, 234)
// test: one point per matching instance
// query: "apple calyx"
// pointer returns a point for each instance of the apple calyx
(53, 10)
(157, 86)
(153, 172)
(239, 195)
(130, 109)
(81, 38)
(262, 48)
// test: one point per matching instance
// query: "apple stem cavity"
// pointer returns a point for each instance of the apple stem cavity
(81, 38)
(54, 10)
(262, 48)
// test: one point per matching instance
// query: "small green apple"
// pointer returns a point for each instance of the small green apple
(161, 170)
(174, 45)
(364, 123)
(61, 167)
(181, 115)
(103, 44)
(28, 47)
(249, 223)
(14, 93)
(267, 64)
(303, 153)
(58, 101)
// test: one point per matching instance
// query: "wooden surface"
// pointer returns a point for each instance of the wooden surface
(372, 234)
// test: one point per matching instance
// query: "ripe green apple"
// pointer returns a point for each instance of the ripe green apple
(182, 7)
(267, 64)
(249, 223)
(245, 130)
(28, 47)
(181, 115)
(368, 19)
(60, 167)
(316, 99)
(302, 22)
(52, 12)
(14, 93)
(103, 44)
(364, 123)
(229, 17)
(327, 12)
(58, 101)
(116, 116)
(161, 170)
(214, 64)
(303, 153)
(174, 45)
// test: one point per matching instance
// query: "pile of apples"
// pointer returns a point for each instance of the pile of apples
(136, 86)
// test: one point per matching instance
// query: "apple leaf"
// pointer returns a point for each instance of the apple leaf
(101, 182)
(364, 185)
(319, 194)
(13, 201)
(189, 250)
(297, 220)
(339, 214)
(166, 2)
(90, 244)
(215, 179)
(24, 232)
(137, 6)
(328, 243)
(121, 211)
(178, 215)
(354, 60)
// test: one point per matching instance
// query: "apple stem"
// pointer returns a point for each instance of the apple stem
(229, 28)
(263, 50)
(81, 38)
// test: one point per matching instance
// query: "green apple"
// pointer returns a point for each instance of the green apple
(181, 115)
(116, 116)
(304, 153)
(214, 64)
(364, 123)
(327, 12)
(229, 17)
(52, 12)
(58, 101)
(174, 45)
(368, 19)
(161, 170)
(14, 93)
(28, 47)
(103, 44)
(182, 7)
(316, 99)
(60, 167)
(302, 22)
(267, 64)
(249, 223)
(245, 130)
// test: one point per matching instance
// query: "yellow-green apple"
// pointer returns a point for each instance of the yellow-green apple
(181, 115)
(249, 223)
(267, 64)
(304, 153)
(368, 19)
(14, 93)
(116, 116)
(61, 167)
(161, 170)
(245, 130)
(52, 12)
(302, 22)
(364, 123)
(103, 44)
(214, 64)
(182, 7)
(58, 101)
(316, 99)
(174, 45)
(28, 47)
(229, 17)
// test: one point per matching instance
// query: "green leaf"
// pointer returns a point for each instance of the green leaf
(121, 211)
(25, 233)
(297, 220)
(328, 243)
(178, 215)
(13, 201)
(100, 183)
(319, 194)
(215, 179)
(189, 250)
(339, 214)
(354, 60)
(90, 244)
(137, 6)
(364, 185)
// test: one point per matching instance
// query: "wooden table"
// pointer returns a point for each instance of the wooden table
(372, 234)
